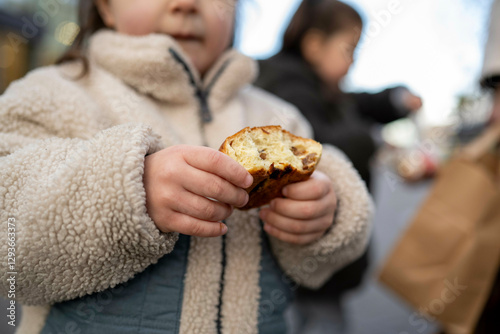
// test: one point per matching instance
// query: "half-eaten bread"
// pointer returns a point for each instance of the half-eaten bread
(274, 157)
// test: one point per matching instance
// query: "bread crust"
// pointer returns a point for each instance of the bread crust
(269, 182)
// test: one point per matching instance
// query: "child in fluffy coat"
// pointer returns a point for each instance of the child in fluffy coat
(126, 216)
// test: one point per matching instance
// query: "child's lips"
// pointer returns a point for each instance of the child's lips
(187, 37)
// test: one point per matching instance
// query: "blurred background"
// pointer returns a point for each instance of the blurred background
(435, 48)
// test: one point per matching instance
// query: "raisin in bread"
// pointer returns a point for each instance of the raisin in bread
(274, 157)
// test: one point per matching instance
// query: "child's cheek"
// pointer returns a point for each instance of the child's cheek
(334, 68)
(137, 21)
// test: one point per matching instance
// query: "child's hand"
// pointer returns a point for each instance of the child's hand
(412, 102)
(179, 181)
(306, 212)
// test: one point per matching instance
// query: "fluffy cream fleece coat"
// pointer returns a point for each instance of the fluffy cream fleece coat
(71, 165)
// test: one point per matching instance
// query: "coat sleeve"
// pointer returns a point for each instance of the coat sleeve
(312, 265)
(77, 204)
(490, 75)
(382, 107)
(306, 98)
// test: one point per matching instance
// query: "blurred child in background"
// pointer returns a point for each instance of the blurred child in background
(318, 50)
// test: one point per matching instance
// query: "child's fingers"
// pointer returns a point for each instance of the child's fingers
(316, 187)
(220, 164)
(302, 210)
(199, 207)
(299, 239)
(212, 186)
(188, 225)
(294, 226)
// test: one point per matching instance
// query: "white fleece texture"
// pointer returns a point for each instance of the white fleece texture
(240, 298)
(165, 80)
(33, 319)
(80, 214)
(202, 286)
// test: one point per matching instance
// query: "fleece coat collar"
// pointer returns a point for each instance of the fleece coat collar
(155, 65)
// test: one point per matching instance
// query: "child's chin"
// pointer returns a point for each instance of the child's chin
(190, 45)
(196, 57)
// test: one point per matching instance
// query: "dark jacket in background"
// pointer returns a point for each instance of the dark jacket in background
(343, 120)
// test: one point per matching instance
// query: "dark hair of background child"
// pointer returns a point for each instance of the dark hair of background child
(327, 16)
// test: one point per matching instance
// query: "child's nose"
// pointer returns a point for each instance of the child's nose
(184, 6)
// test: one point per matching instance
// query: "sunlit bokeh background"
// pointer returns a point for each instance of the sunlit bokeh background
(433, 47)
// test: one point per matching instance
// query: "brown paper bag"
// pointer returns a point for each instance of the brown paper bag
(445, 263)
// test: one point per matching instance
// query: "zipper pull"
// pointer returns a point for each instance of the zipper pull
(206, 115)
(201, 94)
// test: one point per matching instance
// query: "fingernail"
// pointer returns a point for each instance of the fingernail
(284, 191)
(248, 181)
(223, 228)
